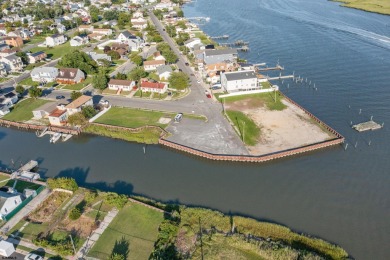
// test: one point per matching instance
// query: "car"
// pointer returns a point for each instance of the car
(60, 97)
(192, 74)
(103, 102)
(178, 117)
(187, 64)
(33, 256)
(47, 59)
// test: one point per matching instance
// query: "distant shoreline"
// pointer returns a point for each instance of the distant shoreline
(362, 7)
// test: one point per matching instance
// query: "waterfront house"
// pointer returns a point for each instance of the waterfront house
(12, 63)
(55, 40)
(70, 76)
(77, 105)
(58, 116)
(153, 87)
(44, 110)
(164, 72)
(36, 57)
(151, 65)
(216, 56)
(3, 109)
(78, 41)
(119, 84)
(44, 74)
(8, 202)
(239, 81)
(192, 42)
(9, 99)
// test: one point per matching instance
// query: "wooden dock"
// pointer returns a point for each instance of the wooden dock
(221, 37)
(29, 166)
(365, 126)
(277, 67)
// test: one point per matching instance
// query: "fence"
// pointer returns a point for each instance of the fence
(21, 205)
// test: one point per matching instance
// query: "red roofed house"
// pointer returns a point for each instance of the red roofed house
(58, 116)
(147, 86)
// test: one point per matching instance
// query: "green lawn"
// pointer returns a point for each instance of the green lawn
(57, 51)
(248, 130)
(376, 6)
(261, 99)
(4, 177)
(33, 65)
(136, 227)
(79, 86)
(21, 185)
(133, 118)
(22, 111)
(28, 82)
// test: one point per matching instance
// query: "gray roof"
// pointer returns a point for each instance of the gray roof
(239, 75)
(219, 52)
(44, 69)
(163, 68)
(48, 107)
(128, 35)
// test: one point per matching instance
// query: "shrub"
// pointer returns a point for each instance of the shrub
(62, 183)
(74, 214)
(116, 200)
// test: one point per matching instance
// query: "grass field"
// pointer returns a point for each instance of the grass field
(267, 99)
(20, 185)
(134, 230)
(22, 111)
(132, 118)
(57, 51)
(376, 6)
(248, 130)
(28, 82)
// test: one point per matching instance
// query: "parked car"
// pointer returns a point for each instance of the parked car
(103, 102)
(216, 86)
(187, 64)
(208, 94)
(60, 97)
(33, 256)
(178, 117)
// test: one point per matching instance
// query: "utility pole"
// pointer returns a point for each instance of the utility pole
(74, 249)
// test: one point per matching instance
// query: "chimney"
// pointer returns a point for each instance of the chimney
(72, 74)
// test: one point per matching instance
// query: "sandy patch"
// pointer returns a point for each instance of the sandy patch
(164, 120)
(282, 130)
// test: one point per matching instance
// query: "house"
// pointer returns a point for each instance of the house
(76, 105)
(70, 76)
(95, 36)
(192, 42)
(12, 63)
(55, 40)
(157, 56)
(8, 202)
(215, 56)
(78, 41)
(58, 116)
(239, 81)
(99, 56)
(44, 110)
(121, 48)
(36, 57)
(151, 65)
(119, 84)
(102, 31)
(9, 99)
(134, 42)
(212, 72)
(85, 28)
(44, 74)
(6, 248)
(153, 87)
(3, 71)
(4, 46)
(164, 72)
(3, 109)
(13, 41)
(7, 52)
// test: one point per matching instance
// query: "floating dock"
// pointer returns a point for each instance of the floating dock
(277, 67)
(221, 37)
(369, 125)
(29, 166)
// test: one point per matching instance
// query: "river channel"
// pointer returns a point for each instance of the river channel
(340, 195)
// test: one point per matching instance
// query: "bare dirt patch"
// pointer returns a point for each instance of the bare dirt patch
(46, 209)
(82, 226)
(280, 130)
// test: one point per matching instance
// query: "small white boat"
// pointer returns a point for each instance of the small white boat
(54, 138)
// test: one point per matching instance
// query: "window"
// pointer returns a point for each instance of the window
(16, 203)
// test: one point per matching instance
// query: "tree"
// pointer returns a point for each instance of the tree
(170, 56)
(77, 119)
(79, 59)
(35, 92)
(116, 256)
(178, 80)
(74, 214)
(99, 81)
(20, 90)
(137, 59)
(120, 76)
(123, 20)
(114, 55)
(94, 12)
(23, 56)
(75, 95)
(111, 15)
(88, 111)
(137, 73)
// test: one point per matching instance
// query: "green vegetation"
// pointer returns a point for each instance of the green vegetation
(35, 92)
(376, 6)
(21, 185)
(248, 130)
(62, 183)
(261, 99)
(131, 234)
(22, 111)
(57, 51)
(74, 214)
(147, 135)
(179, 80)
(132, 118)
(28, 82)
(79, 59)
(115, 200)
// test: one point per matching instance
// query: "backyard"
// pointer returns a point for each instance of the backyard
(78, 86)
(22, 111)
(132, 233)
(57, 51)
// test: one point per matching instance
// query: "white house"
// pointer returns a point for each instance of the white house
(44, 110)
(164, 72)
(76, 105)
(192, 42)
(44, 74)
(78, 41)
(55, 40)
(6, 248)
(4, 110)
(119, 84)
(134, 42)
(58, 116)
(154, 87)
(12, 63)
(151, 65)
(239, 81)
(102, 31)
(8, 202)
(99, 56)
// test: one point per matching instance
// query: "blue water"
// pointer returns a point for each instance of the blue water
(341, 196)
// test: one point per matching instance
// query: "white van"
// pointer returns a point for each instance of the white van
(178, 117)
